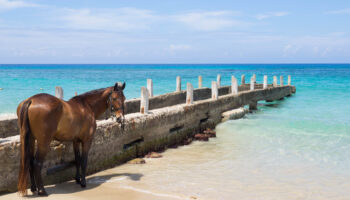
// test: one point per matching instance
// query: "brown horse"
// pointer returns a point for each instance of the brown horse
(43, 118)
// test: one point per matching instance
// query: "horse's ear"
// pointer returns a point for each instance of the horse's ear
(116, 86)
(123, 86)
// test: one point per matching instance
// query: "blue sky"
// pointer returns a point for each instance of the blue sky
(181, 31)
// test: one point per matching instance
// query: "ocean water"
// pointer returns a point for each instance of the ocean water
(296, 148)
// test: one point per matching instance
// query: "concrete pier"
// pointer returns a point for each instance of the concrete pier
(144, 101)
(253, 105)
(252, 83)
(214, 90)
(200, 83)
(150, 87)
(274, 81)
(234, 85)
(243, 79)
(218, 80)
(151, 124)
(178, 84)
(289, 80)
(265, 82)
(189, 94)
(59, 92)
(281, 80)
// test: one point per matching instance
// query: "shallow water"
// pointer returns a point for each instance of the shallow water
(297, 148)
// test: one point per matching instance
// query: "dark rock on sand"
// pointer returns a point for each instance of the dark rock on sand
(153, 155)
(137, 161)
(201, 137)
(188, 141)
(210, 132)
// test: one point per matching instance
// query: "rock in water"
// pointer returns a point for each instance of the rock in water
(137, 161)
(201, 137)
(153, 155)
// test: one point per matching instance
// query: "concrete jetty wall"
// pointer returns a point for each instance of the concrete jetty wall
(9, 127)
(161, 128)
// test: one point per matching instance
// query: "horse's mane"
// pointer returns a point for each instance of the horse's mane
(89, 93)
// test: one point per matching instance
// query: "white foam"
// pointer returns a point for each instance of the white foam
(7, 116)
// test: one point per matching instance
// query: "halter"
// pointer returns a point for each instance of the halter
(111, 109)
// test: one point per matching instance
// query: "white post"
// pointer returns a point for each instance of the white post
(281, 80)
(144, 101)
(178, 84)
(243, 79)
(59, 92)
(234, 85)
(189, 94)
(199, 81)
(274, 81)
(150, 87)
(252, 83)
(265, 82)
(214, 90)
(218, 80)
(289, 80)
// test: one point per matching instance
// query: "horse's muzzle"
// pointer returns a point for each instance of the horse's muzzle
(119, 119)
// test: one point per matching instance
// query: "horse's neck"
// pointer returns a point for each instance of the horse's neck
(98, 102)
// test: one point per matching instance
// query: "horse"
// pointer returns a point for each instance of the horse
(44, 118)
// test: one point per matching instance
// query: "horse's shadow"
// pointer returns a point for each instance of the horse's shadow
(92, 182)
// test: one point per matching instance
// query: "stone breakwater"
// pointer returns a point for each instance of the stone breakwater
(9, 127)
(160, 128)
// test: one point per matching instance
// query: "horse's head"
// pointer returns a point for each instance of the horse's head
(116, 101)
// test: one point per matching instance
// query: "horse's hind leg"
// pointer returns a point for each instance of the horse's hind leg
(31, 166)
(77, 161)
(38, 164)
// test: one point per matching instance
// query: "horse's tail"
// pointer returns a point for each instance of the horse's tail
(23, 123)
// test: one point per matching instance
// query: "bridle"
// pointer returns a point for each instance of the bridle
(112, 109)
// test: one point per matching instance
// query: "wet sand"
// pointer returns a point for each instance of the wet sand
(121, 182)
(103, 185)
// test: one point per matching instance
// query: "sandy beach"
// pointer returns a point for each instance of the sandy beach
(113, 183)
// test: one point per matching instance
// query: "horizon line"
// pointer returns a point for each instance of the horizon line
(311, 63)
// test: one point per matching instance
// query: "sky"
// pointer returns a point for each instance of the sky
(180, 31)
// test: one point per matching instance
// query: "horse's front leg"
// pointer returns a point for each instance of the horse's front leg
(77, 161)
(85, 151)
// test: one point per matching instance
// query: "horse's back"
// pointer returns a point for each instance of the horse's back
(44, 114)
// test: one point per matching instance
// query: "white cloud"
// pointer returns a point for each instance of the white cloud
(126, 19)
(209, 21)
(338, 12)
(179, 47)
(120, 19)
(6, 4)
(271, 14)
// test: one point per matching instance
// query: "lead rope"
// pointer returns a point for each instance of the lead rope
(107, 115)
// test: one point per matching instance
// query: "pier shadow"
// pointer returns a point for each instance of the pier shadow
(271, 105)
(92, 182)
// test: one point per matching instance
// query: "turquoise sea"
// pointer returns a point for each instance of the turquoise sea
(297, 148)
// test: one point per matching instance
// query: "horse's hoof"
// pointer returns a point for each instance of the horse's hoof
(77, 181)
(42, 192)
(33, 188)
(83, 184)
